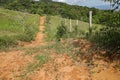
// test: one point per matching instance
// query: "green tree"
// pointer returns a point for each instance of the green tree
(45, 0)
(116, 3)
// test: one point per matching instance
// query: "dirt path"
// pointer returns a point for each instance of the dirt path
(39, 39)
(61, 67)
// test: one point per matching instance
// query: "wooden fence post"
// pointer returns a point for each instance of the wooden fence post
(76, 22)
(70, 26)
(90, 21)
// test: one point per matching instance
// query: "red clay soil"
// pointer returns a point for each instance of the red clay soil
(102, 69)
(11, 64)
(105, 71)
(61, 67)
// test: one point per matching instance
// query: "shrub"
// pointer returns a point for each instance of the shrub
(61, 31)
(108, 37)
(7, 41)
(112, 20)
(48, 19)
(109, 40)
(28, 34)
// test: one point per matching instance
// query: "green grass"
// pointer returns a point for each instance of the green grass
(55, 21)
(21, 26)
(42, 59)
(11, 21)
(31, 67)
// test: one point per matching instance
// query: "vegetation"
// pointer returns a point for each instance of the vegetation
(107, 37)
(61, 31)
(56, 8)
(16, 26)
(115, 3)
(31, 67)
(53, 28)
(69, 43)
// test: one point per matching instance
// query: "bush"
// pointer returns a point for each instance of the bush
(108, 37)
(28, 35)
(7, 41)
(61, 31)
(112, 19)
(48, 19)
(109, 40)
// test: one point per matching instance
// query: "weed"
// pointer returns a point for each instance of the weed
(42, 59)
(7, 41)
(61, 31)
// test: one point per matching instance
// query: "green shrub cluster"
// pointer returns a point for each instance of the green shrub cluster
(108, 39)
(7, 42)
(109, 36)
(28, 35)
(61, 31)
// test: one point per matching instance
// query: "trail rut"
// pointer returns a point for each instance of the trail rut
(39, 39)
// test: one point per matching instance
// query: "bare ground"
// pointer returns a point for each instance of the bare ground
(14, 64)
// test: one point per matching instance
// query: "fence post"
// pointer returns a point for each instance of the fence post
(90, 21)
(70, 26)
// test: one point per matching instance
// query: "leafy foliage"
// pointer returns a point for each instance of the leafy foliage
(7, 42)
(28, 35)
(112, 19)
(108, 37)
(61, 31)
(55, 8)
(115, 3)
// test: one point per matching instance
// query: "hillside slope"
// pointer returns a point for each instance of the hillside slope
(15, 25)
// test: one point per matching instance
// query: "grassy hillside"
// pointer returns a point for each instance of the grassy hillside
(55, 21)
(16, 26)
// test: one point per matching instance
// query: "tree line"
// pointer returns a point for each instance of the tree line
(57, 8)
